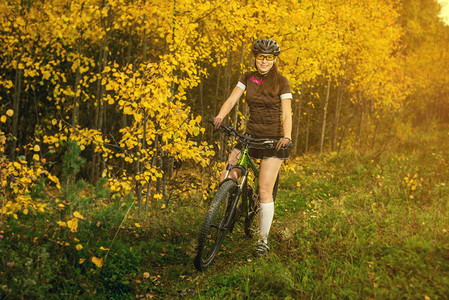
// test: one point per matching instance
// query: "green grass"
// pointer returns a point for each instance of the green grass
(353, 225)
(348, 225)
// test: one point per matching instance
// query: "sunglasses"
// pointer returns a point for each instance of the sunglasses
(268, 57)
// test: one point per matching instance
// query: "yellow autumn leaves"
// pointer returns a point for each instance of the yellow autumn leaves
(9, 113)
(97, 261)
(413, 183)
(17, 179)
(72, 224)
(149, 92)
(182, 44)
(160, 118)
(36, 148)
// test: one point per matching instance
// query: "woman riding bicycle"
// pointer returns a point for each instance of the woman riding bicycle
(269, 99)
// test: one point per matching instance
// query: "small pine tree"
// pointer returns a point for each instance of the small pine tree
(71, 164)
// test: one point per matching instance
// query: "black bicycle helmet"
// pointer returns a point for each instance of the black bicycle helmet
(266, 46)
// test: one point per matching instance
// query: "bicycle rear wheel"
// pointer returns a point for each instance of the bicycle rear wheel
(213, 229)
(252, 218)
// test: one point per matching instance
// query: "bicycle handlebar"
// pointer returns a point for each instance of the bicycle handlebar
(250, 141)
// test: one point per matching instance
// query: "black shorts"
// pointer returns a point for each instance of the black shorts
(282, 153)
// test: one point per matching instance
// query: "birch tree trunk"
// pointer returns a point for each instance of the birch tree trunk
(143, 143)
(337, 117)
(296, 124)
(237, 105)
(75, 111)
(309, 113)
(226, 81)
(360, 127)
(153, 163)
(323, 126)
(99, 109)
(16, 108)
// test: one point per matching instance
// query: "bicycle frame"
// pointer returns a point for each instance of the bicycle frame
(242, 164)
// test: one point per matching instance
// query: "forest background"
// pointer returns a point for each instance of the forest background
(104, 103)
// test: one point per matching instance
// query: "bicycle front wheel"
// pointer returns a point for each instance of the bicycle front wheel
(213, 229)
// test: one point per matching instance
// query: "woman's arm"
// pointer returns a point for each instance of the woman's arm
(286, 105)
(287, 117)
(237, 92)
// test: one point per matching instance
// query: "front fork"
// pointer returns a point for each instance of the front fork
(229, 224)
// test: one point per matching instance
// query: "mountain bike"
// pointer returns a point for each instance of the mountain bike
(234, 199)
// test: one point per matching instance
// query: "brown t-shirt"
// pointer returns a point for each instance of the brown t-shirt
(265, 119)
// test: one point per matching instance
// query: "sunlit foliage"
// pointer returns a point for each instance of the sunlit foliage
(132, 82)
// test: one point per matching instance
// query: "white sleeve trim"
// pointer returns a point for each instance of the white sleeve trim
(241, 85)
(286, 96)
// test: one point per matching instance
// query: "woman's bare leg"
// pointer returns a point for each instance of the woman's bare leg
(269, 169)
(233, 159)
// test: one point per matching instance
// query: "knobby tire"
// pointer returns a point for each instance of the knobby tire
(251, 219)
(212, 231)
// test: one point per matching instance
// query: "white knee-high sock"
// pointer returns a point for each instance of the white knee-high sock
(266, 218)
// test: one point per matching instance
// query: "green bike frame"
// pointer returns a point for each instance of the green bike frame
(243, 163)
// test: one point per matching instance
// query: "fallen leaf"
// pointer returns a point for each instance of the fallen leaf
(97, 261)
(78, 215)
